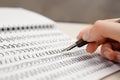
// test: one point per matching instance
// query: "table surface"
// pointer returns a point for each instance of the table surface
(73, 29)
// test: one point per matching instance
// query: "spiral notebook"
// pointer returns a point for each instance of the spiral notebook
(30, 49)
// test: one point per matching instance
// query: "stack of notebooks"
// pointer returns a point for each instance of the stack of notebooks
(30, 49)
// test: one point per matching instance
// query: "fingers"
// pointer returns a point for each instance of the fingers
(109, 29)
(94, 33)
(100, 30)
(91, 47)
(107, 51)
(83, 32)
(117, 59)
(110, 54)
(80, 34)
(111, 50)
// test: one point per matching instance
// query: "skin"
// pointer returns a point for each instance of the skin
(104, 33)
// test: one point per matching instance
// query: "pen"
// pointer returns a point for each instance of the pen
(80, 42)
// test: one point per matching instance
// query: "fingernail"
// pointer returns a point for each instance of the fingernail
(109, 55)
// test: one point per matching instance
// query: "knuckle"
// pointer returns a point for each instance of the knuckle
(98, 24)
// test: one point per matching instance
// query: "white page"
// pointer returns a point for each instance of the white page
(36, 54)
(14, 17)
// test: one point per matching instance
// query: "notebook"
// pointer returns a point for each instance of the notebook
(30, 49)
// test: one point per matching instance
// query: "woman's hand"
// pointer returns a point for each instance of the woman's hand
(105, 33)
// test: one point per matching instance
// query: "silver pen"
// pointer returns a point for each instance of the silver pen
(78, 43)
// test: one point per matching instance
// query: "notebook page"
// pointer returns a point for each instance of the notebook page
(36, 54)
(14, 17)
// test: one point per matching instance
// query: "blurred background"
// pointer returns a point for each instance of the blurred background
(83, 11)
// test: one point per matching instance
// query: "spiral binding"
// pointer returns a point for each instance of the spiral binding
(27, 27)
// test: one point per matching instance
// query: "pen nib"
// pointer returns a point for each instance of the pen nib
(69, 48)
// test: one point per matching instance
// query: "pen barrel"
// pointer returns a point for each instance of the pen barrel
(81, 43)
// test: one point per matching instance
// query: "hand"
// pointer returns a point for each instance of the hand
(105, 33)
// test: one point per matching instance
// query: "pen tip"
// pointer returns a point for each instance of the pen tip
(69, 48)
(63, 50)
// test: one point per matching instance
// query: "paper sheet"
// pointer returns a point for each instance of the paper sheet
(38, 56)
(35, 54)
